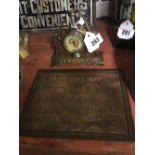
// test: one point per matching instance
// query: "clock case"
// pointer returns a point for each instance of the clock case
(81, 56)
(63, 57)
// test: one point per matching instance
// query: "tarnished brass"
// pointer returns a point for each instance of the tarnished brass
(78, 104)
(57, 151)
(23, 45)
(61, 57)
(86, 58)
(70, 47)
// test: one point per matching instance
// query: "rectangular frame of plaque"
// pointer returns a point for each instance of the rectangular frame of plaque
(34, 22)
(24, 148)
(116, 118)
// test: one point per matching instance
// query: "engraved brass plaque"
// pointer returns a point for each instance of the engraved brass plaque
(89, 104)
(86, 59)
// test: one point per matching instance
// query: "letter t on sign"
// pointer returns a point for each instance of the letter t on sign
(23, 7)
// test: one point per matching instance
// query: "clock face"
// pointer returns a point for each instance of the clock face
(73, 43)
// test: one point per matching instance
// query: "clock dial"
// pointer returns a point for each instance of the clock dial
(73, 43)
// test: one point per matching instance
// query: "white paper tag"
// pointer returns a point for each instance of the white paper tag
(125, 33)
(127, 25)
(80, 21)
(92, 41)
(126, 30)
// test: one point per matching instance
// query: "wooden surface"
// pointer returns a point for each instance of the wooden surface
(41, 49)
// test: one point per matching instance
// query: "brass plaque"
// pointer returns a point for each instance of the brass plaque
(89, 104)
(86, 58)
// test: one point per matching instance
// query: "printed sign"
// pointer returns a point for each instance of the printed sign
(53, 14)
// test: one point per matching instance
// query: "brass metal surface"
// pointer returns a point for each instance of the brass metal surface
(62, 56)
(51, 151)
(78, 104)
(86, 58)
(23, 45)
